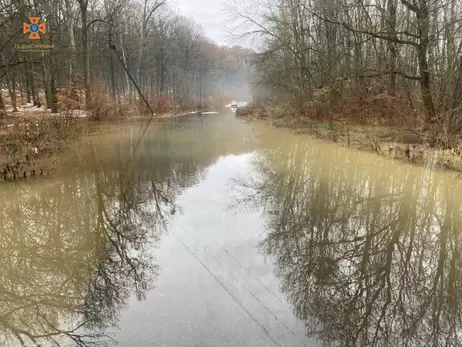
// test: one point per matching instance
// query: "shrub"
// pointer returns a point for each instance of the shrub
(104, 108)
(159, 103)
(21, 101)
(67, 100)
(33, 138)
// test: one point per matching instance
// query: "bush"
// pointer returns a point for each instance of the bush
(158, 102)
(378, 109)
(253, 110)
(67, 100)
(28, 139)
(104, 108)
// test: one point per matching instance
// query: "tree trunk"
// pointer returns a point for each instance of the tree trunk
(392, 46)
(53, 98)
(162, 76)
(53, 94)
(12, 89)
(28, 86)
(457, 91)
(126, 83)
(423, 23)
(111, 66)
(113, 83)
(85, 54)
(2, 106)
(46, 85)
(35, 97)
(70, 32)
(140, 51)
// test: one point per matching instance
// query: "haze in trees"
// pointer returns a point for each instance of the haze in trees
(346, 52)
(169, 55)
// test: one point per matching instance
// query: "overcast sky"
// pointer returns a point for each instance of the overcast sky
(209, 14)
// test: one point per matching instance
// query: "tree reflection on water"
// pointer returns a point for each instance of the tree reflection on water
(72, 253)
(367, 251)
(73, 249)
(70, 257)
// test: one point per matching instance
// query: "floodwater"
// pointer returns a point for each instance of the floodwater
(217, 232)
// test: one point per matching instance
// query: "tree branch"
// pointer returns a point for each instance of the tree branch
(98, 20)
(410, 6)
(154, 9)
(367, 32)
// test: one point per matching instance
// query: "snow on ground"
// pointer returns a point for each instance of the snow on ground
(29, 109)
(73, 113)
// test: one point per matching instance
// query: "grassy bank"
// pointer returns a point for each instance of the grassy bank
(409, 144)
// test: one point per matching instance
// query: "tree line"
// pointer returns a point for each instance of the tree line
(405, 49)
(167, 54)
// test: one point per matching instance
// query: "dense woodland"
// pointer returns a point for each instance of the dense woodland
(393, 60)
(168, 56)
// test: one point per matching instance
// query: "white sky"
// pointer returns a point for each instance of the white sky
(210, 15)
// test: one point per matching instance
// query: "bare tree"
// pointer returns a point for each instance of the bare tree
(351, 48)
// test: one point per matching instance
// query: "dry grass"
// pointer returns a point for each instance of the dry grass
(381, 123)
(26, 141)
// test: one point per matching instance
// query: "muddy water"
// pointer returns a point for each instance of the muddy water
(214, 232)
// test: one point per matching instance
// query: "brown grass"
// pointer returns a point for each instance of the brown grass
(26, 141)
(390, 126)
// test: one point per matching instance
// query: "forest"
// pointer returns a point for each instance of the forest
(88, 44)
(393, 65)
(379, 62)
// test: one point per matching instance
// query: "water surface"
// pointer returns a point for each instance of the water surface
(215, 232)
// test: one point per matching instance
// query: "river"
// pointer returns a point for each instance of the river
(217, 232)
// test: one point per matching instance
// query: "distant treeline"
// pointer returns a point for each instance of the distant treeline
(167, 54)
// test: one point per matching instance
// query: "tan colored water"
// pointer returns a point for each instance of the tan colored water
(215, 232)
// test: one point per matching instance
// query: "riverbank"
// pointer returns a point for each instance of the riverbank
(31, 138)
(409, 145)
(28, 142)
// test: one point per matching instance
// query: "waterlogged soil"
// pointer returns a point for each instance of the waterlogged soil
(408, 145)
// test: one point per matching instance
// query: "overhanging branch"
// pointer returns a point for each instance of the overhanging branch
(367, 32)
